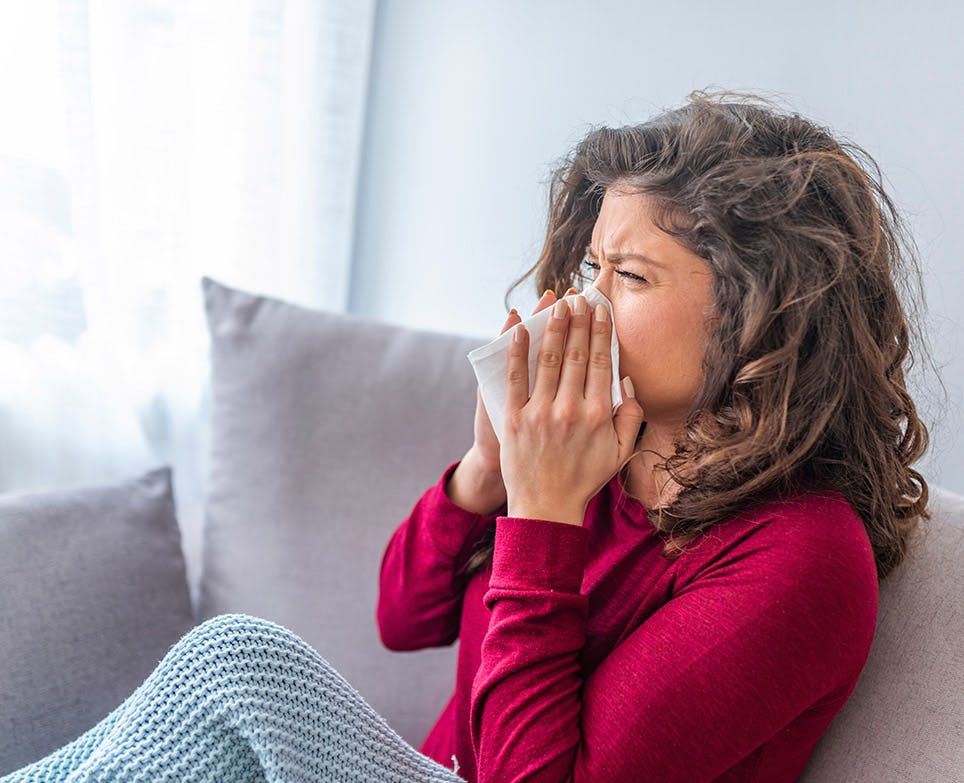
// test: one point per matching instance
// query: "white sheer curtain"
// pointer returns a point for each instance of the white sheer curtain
(145, 143)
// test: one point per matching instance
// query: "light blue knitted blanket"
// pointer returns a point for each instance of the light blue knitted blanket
(237, 700)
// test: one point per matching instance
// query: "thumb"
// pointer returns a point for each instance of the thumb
(628, 419)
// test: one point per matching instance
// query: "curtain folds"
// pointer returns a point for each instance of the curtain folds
(147, 143)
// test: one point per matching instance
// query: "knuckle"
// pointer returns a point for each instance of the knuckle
(564, 414)
(550, 358)
(513, 422)
(600, 359)
(577, 355)
(515, 375)
(601, 413)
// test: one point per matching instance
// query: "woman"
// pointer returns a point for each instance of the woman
(683, 591)
(687, 590)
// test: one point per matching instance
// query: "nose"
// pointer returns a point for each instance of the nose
(601, 282)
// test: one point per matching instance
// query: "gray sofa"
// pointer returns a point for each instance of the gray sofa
(325, 429)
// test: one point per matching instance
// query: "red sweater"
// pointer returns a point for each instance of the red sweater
(585, 656)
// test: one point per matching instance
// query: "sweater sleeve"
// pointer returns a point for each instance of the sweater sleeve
(756, 637)
(420, 587)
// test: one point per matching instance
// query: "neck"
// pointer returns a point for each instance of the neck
(643, 479)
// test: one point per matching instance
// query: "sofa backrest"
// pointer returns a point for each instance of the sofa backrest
(327, 428)
(905, 718)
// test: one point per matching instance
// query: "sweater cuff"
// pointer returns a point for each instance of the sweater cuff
(538, 554)
(453, 527)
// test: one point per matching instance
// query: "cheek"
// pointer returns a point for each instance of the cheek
(658, 341)
(635, 341)
(645, 332)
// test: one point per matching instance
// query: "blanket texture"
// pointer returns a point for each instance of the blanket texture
(239, 699)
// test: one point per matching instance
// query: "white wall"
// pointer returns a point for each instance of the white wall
(472, 103)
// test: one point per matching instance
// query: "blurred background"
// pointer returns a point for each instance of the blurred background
(388, 158)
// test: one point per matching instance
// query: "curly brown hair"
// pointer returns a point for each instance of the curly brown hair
(804, 369)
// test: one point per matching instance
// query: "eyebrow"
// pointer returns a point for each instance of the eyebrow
(617, 258)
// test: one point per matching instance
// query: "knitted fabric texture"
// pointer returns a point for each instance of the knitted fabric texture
(239, 699)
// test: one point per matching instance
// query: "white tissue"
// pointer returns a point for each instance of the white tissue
(489, 361)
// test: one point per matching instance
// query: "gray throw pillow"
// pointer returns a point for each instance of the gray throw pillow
(326, 429)
(92, 594)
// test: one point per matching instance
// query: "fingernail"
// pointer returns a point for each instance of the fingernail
(628, 389)
(601, 312)
(513, 312)
(547, 291)
(559, 309)
(517, 335)
(571, 291)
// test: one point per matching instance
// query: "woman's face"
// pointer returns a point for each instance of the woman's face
(661, 322)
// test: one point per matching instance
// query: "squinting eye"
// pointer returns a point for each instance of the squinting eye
(627, 275)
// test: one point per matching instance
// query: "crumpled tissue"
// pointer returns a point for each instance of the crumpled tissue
(489, 361)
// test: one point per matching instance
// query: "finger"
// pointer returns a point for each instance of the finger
(599, 374)
(478, 396)
(548, 301)
(517, 371)
(548, 298)
(549, 358)
(512, 319)
(572, 381)
(628, 420)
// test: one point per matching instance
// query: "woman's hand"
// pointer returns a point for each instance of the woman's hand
(562, 445)
(486, 445)
(477, 484)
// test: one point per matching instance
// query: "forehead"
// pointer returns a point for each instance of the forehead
(624, 217)
(624, 228)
